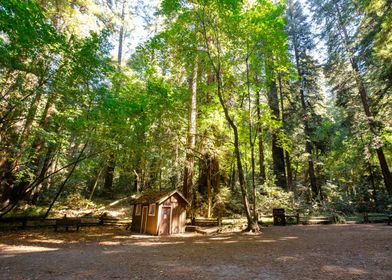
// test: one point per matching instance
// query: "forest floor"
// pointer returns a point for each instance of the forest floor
(293, 252)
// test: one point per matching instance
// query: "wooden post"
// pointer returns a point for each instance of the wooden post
(366, 217)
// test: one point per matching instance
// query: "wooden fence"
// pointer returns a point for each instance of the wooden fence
(37, 222)
(294, 218)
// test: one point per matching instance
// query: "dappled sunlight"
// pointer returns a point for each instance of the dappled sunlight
(100, 235)
(219, 238)
(155, 243)
(123, 237)
(142, 236)
(229, 241)
(287, 258)
(116, 237)
(7, 256)
(342, 269)
(54, 241)
(113, 252)
(20, 249)
(230, 255)
(288, 238)
(266, 241)
(179, 235)
(109, 243)
(202, 242)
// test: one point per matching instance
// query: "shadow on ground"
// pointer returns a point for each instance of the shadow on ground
(293, 252)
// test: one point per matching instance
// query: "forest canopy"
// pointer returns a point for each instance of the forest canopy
(241, 105)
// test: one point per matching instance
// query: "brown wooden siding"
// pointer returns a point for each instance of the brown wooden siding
(178, 216)
(152, 222)
(151, 227)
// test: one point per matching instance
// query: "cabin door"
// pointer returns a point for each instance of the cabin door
(143, 226)
(164, 228)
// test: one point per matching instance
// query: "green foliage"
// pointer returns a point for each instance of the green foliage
(274, 197)
(75, 201)
(63, 98)
(25, 32)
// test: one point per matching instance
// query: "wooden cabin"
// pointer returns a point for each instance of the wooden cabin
(159, 213)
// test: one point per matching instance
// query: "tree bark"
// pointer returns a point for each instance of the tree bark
(365, 103)
(13, 191)
(305, 119)
(61, 188)
(111, 163)
(251, 143)
(277, 151)
(284, 125)
(252, 225)
(209, 188)
(121, 35)
(109, 175)
(191, 137)
(261, 141)
(29, 122)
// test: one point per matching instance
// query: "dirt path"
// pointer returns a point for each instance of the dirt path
(292, 252)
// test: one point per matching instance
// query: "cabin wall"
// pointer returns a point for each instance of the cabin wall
(179, 219)
(136, 220)
(151, 226)
(179, 214)
(154, 222)
(159, 218)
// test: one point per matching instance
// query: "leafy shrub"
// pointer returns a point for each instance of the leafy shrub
(275, 197)
(76, 201)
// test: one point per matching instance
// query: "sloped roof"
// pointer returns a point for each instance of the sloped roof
(157, 197)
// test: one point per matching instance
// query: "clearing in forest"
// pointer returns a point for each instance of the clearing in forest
(293, 252)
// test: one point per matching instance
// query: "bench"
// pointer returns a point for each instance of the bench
(205, 222)
(319, 220)
(22, 222)
(377, 217)
(289, 217)
(68, 222)
(292, 216)
(389, 215)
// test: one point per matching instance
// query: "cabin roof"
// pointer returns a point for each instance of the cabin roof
(157, 197)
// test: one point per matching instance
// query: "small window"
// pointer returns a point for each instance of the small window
(138, 210)
(151, 210)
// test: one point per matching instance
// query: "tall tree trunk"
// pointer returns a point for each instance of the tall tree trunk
(251, 143)
(277, 151)
(29, 121)
(111, 163)
(109, 175)
(232, 178)
(209, 187)
(217, 69)
(261, 141)
(305, 119)
(11, 158)
(251, 223)
(284, 125)
(290, 184)
(191, 137)
(47, 163)
(15, 191)
(374, 190)
(61, 188)
(365, 102)
(121, 35)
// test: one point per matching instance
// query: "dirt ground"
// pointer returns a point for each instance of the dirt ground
(292, 252)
